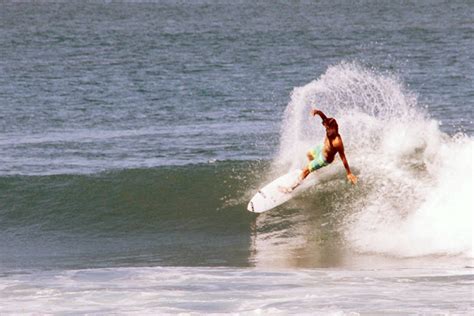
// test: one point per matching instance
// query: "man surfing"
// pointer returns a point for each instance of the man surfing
(323, 154)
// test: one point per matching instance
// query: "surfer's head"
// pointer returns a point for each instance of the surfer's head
(332, 129)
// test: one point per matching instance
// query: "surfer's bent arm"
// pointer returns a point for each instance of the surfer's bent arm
(315, 112)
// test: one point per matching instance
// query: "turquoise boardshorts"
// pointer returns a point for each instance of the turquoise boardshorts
(318, 160)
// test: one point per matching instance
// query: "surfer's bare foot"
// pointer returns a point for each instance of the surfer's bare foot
(285, 190)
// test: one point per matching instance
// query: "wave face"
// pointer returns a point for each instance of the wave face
(414, 197)
(184, 215)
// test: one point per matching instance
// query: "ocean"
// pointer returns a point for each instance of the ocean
(133, 135)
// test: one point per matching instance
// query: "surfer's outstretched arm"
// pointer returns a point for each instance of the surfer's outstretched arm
(352, 178)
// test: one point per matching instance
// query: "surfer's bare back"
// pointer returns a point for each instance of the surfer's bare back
(323, 154)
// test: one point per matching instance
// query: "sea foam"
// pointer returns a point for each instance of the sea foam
(417, 181)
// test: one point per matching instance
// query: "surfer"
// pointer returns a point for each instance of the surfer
(324, 154)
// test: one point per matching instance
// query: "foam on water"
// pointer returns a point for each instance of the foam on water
(417, 181)
(173, 290)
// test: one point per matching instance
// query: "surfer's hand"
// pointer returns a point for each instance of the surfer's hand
(352, 178)
(314, 112)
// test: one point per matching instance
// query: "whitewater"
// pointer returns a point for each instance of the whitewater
(416, 196)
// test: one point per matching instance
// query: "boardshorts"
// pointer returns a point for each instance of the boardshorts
(318, 160)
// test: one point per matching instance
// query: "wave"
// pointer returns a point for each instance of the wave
(414, 197)
(181, 216)
(126, 200)
(415, 190)
(176, 215)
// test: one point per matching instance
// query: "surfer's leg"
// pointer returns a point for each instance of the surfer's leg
(300, 179)
(313, 164)
(304, 174)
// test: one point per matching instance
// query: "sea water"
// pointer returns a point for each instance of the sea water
(132, 136)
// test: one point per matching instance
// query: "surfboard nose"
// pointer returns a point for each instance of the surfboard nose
(250, 207)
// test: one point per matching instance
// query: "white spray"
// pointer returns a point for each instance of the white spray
(418, 181)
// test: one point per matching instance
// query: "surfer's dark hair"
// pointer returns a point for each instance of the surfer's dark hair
(332, 129)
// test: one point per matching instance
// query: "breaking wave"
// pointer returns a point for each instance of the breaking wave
(414, 197)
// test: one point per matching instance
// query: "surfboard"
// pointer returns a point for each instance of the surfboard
(272, 195)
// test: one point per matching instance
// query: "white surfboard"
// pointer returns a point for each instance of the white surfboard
(272, 195)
